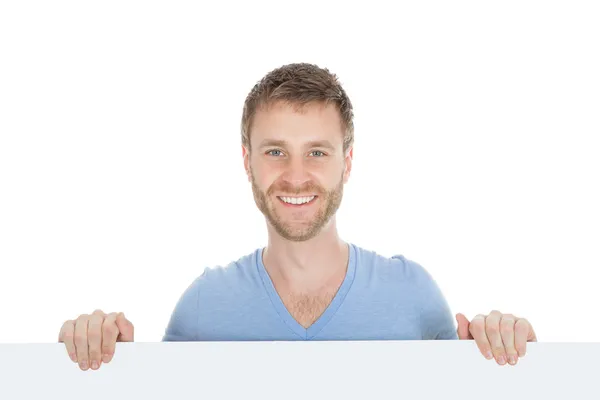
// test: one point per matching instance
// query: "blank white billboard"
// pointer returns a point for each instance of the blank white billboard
(301, 370)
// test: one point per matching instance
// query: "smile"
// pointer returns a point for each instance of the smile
(297, 201)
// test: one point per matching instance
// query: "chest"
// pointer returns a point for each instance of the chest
(306, 308)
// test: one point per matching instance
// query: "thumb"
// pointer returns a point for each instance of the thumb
(463, 327)
(125, 328)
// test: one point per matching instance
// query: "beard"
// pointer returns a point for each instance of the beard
(310, 226)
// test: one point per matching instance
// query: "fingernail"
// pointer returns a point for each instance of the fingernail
(512, 360)
(94, 364)
(84, 365)
(501, 360)
(105, 358)
(73, 357)
(489, 355)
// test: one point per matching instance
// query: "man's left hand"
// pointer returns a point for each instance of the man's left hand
(499, 336)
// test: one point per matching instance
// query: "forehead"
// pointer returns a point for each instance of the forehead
(297, 124)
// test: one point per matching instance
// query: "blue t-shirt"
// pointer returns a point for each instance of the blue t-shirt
(380, 298)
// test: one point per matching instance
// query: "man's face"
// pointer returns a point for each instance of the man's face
(297, 167)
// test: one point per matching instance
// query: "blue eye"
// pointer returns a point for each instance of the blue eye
(320, 152)
(271, 151)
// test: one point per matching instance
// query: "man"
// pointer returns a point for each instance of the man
(307, 283)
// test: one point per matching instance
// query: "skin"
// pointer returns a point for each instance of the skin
(297, 153)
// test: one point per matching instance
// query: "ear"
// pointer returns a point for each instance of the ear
(348, 163)
(246, 156)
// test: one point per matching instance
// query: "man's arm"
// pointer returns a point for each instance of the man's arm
(436, 320)
(183, 323)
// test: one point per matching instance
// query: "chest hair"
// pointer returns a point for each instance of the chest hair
(306, 308)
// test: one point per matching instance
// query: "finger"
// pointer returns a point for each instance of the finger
(110, 332)
(462, 329)
(531, 337)
(125, 328)
(95, 339)
(477, 330)
(507, 332)
(81, 341)
(523, 332)
(66, 336)
(492, 330)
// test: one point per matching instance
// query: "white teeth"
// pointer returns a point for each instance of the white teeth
(297, 200)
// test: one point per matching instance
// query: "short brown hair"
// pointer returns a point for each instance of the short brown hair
(299, 84)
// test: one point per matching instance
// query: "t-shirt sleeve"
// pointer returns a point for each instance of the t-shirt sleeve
(436, 320)
(183, 324)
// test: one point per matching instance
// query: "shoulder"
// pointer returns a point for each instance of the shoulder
(214, 288)
(232, 278)
(418, 277)
(430, 302)
(396, 268)
(409, 281)
(412, 271)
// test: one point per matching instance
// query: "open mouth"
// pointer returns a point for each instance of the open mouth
(297, 201)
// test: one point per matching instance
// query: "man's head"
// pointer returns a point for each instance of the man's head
(297, 138)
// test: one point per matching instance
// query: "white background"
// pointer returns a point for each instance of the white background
(121, 174)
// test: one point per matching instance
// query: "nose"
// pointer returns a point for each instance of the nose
(296, 173)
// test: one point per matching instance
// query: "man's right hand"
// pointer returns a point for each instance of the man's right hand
(90, 339)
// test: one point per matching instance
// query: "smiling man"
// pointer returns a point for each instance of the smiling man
(306, 283)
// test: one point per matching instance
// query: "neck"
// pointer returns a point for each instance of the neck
(307, 265)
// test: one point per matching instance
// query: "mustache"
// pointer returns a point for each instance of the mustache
(287, 188)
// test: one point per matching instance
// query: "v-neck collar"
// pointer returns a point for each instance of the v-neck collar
(338, 299)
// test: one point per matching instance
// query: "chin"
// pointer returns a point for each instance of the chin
(299, 236)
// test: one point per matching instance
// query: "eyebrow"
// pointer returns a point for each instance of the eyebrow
(283, 143)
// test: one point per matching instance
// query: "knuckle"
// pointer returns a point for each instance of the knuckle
(522, 323)
(112, 315)
(110, 330)
(492, 329)
(506, 328)
(521, 329)
(477, 322)
(476, 330)
(509, 319)
(80, 340)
